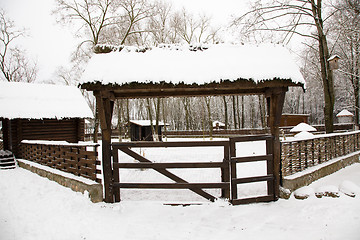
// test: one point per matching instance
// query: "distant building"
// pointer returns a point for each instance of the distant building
(289, 120)
(140, 130)
(218, 125)
(345, 116)
(41, 112)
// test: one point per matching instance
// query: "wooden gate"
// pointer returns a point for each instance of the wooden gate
(269, 177)
(161, 168)
(229, 180)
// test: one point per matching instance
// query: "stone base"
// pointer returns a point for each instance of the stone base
(95, 190)
(294, 182)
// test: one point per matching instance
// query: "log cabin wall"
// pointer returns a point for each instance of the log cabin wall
(16, 130)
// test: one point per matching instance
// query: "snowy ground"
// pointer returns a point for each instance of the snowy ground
(32, 207)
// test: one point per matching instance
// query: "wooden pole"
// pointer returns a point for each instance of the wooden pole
(105, 108)
(275, 98)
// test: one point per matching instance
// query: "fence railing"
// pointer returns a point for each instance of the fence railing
(72, 158)
(298, 155)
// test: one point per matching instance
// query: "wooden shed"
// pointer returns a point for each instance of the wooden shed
(140, 130)
(172, 71)
(289, 120)
(41, 112)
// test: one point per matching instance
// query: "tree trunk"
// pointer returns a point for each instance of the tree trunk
(242, 112)
(208, 105)
(225, 112)
(326, 73)
(234, 111)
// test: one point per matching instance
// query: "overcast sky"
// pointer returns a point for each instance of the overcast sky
(51, 44)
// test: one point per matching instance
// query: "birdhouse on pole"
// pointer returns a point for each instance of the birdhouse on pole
(334, 62)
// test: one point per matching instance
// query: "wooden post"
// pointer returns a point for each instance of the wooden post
(105, 105)
(225, 171)
(275, 101)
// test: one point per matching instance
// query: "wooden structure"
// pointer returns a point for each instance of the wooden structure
(271, 86)
(299, 155)
(218, 125)
(16, 130)
(140, 130)
(345, 117)
(41, 112)
(288, 120)
(334, 62)
(78, 159)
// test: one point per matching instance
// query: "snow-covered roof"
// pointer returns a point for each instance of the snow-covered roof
(304, 135)
(344, 113)
(303, 127)
(185, 65)
(39, 101)
(333, 57)
(145, 123)
(220, 124)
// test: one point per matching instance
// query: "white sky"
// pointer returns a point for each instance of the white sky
(51, 44)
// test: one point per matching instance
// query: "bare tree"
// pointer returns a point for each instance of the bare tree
(297, 17)
(347, 36)
(160, 23)
(195, 29)
(14, 65)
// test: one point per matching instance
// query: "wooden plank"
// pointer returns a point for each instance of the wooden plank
(252, 179)
(225, 171)
(143, 144)
(268, 198)
(252, 158)
(251, 138)
(116, 173)
(168, 174)
(172, 185)
(233, 168)
(170, 165)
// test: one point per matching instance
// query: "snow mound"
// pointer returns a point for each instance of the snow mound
(303, 135)
(304, 192)
(327, 191)
(349, 188)
(301, 127)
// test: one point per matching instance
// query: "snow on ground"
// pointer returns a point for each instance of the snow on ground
(32, 207)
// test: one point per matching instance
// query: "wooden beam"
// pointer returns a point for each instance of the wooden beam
(105, 108)
(275, 100)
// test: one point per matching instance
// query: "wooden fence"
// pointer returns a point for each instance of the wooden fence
(299, 155)
(71, 158)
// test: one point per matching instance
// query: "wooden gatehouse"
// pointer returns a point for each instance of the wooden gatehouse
(172, 71)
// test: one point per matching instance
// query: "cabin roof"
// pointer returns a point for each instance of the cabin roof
(145, 123)
(40, 101)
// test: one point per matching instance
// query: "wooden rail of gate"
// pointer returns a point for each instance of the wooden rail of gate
(269, 177)
(162, 168)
